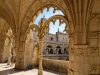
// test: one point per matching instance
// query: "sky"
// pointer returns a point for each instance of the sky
(48, 14)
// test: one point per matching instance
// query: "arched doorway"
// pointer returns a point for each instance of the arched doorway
(58, 50)
(49, 49)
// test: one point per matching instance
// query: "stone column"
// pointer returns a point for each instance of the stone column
(79, 61)
(36, 58)
(22, 45)
(20, 56)
(40, 70)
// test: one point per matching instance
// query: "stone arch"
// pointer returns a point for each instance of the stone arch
(4, 28)
(28, 18)
(58, 50)
(49, 49)
(53, 19)
(8, 46)
(8, 17)
(60, 17)
(29, 14)
(48, 6)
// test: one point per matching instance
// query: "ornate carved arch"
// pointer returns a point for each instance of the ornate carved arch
(30, 13)
(53, 19)
(62, 19)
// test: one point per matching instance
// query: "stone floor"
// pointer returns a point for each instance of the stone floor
(7, 70)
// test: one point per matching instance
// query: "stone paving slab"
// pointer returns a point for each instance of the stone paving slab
(8, 70)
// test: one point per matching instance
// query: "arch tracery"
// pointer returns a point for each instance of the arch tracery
(38, 10)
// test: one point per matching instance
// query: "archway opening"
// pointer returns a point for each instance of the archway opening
(53, 37)
(50, 18)
(45, 15)
(7, 45)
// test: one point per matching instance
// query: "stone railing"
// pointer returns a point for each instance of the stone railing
(56, 65)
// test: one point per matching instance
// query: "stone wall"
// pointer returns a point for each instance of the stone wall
(56, 65)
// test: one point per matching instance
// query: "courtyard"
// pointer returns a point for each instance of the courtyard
(8, 70)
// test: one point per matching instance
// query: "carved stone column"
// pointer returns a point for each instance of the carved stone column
(36, 58)
(40, 70)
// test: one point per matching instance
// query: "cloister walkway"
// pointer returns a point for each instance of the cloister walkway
(7, 70)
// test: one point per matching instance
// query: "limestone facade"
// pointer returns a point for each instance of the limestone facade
(56, 43)
(52, 42)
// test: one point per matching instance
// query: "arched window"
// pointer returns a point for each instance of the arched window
(58, 48)
(50, 50)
